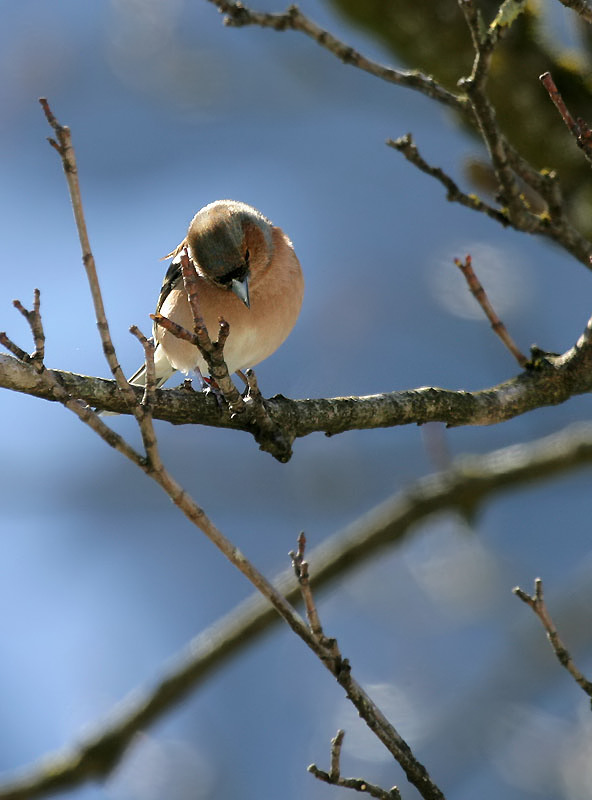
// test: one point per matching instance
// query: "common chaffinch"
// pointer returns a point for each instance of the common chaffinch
(248, 274)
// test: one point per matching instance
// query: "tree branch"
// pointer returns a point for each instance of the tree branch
(472, 104)
(238, 16)
(464, 488)
(552, 225)
(334, 777)
(480, 295)
(407, 147)
(549, 380)
(107, 752)
(578, 128)
(538, 605)
(63, 146)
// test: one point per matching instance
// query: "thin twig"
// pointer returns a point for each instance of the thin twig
(300, 567)
(336, 745)
(358, 784)
(238, 15)
(63, 145)
(406, 146)
(537, 603)
(480, 296)
(268, 434)
(484, 44)
(213, 352)
(339, 666)
(34, 319)
(326, 650)
(554, 226)
(35, 324)
(12, 347)
(579, 128)
(150, 381)
(54, 386)
(547, 80)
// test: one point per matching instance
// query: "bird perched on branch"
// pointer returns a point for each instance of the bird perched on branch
(248, 274)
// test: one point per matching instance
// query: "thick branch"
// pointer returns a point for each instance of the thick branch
(551, 380)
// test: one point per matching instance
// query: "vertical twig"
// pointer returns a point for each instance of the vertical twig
(480, 296)
(63, 145)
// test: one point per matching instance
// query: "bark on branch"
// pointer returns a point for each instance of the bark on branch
(549, 380)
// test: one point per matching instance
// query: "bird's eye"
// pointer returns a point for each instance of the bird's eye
(247, 256)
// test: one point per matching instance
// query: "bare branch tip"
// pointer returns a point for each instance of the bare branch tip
(49, 115)
(338, 738)
(135, 331)
(223, 331)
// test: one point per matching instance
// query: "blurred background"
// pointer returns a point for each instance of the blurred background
(102, 582)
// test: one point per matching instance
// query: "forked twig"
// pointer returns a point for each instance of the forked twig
(301, 570)
(381, 727)
(54, 385)
(33, 317)
(335, 779)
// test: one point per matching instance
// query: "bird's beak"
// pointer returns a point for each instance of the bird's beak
(241, 290)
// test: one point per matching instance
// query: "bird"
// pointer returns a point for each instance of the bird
(248, 274)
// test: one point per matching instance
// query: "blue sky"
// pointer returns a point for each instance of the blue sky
(100, 581)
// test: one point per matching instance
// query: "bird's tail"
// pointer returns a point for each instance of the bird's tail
(162, 370)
